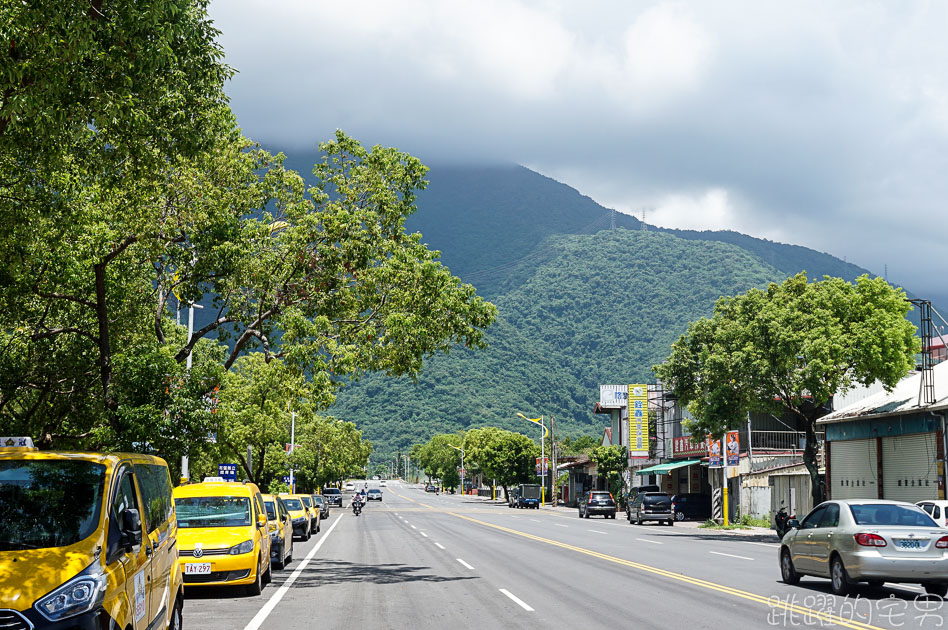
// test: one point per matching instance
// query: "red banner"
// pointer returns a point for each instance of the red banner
(684, 447)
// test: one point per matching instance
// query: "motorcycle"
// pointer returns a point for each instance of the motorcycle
(357, 507)
(782, 521)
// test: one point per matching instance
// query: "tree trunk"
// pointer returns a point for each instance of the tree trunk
(810, 452)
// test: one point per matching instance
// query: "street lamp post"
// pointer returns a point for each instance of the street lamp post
(458, 448)
(543, 434)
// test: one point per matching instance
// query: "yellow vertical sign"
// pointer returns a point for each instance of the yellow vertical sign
(638, 420)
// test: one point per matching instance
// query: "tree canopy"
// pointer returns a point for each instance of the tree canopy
(791, 347)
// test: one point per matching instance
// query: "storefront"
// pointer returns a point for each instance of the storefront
(679, 477)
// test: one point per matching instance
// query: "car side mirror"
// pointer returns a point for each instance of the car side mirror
(793, 523)
(131, 529)
(261, 520)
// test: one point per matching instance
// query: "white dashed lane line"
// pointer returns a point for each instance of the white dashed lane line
(516, 600)
(439, 545)
(465, 564)
(729, 555)
(423, 534)
(654, 542)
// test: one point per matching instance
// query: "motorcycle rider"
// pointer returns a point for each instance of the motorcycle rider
(357, 502)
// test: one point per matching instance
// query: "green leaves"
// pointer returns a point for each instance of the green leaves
(791, 346)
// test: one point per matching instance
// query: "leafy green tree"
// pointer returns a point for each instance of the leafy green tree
(610, 462)
(508, 457)
(578, 445)
(790, 348)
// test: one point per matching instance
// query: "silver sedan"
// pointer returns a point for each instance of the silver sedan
(874, 541)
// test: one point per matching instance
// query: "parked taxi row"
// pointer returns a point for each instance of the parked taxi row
(91, 540)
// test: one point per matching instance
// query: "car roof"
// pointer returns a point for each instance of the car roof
(216, 489)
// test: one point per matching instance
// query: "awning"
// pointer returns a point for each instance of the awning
(664, 469)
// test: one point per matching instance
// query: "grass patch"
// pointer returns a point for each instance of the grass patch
(747, 519)
(709, 524)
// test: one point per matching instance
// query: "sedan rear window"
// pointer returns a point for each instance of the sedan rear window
(657, 500)
(888, 514)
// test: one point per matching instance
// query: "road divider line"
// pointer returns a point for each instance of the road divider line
(560, 525)
(729, 555)
(423, 534)
(465, 564)
(771, 601)
(439, 545)
(751, 542)
(268, 607)
(654, 542)
(596, 531)
(535, 520)
(413, 527)
(516, 600)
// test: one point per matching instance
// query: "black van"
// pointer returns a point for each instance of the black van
(692, 506)
(651, 506)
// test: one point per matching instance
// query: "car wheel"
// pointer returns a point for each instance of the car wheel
(936, 589)
(579, 513)
(257, 587)
(289, 557)
(679, 515)
(281, 559)
(639, 521)
(318, 527)
(787, 571)
(175, 622)
(671, 522)
(586, 514)
(839, 578)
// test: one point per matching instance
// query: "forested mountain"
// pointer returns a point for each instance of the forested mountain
(580, 303)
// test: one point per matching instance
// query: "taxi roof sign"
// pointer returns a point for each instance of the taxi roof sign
(16, 442)
(213, 479)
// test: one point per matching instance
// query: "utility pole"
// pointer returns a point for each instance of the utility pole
(292, 446)
(553, 488)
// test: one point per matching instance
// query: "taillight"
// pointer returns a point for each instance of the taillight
(942, 543)
(612, 497)
(875, 540)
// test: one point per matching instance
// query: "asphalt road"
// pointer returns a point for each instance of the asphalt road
(420, 560)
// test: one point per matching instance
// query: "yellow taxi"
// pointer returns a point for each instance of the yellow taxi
(301, 515)
(281, 531)
(87, 540)
(313, 510)
(223, 535)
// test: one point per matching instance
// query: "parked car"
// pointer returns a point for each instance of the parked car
(300, 515)
(281, 531)
(350, 485)
(692, 506)
(513, 498)
(313, 512)
(860, 540)
(75, 530)
(333, 496)
(651, 506)
(322, 504)
(374, 494)
(382, 483)
(431, 488)
(528, 496)
(937, 509)
(597, 502)
(223, 535)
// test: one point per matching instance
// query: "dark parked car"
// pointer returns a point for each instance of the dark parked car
(320, 502)
(528, 496)
(333, 496)
(374, 494)
(692, 506)
(597, 502)
(651, 506)
(431, 488)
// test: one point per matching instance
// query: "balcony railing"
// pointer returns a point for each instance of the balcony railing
(780, 440)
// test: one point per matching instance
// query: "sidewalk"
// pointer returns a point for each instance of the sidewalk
(761, 534)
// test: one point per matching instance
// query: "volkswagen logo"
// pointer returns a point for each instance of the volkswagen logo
(198, 552)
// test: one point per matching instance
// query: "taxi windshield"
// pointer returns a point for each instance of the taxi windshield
(213, 511)
(48, 503)
(306, 501)
(271, 510)
(293, 504)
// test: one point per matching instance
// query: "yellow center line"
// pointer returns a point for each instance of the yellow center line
(773, 602)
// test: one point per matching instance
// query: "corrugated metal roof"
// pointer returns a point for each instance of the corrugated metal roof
(901, 400)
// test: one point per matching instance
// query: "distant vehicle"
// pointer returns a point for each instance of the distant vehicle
(528, 496)
(374, 494)
(322, 505)
(597, 502)
(651, 506)
(382, 483)
(692, 506)
(431, 488)
(860, 540)
(333, 496)
(375, 478)
(937, 509)
(513, 498)
(350, 485)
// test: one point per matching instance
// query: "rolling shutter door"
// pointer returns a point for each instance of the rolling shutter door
(909, 469)
(854, 465)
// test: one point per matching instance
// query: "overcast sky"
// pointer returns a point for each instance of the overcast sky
(814, 123)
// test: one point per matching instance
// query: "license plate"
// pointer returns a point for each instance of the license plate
(910, 544)
(197, 568)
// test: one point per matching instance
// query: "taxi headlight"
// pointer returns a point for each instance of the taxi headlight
(78, 595)
(244, 547)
